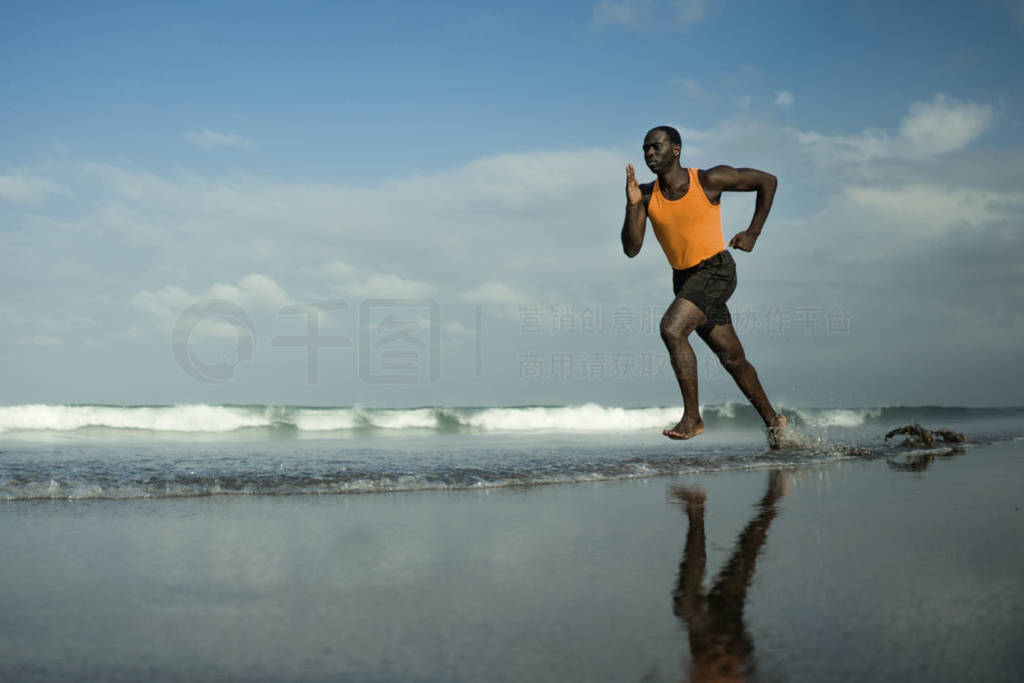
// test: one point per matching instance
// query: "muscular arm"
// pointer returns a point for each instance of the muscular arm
(635, 222)
(728, 179)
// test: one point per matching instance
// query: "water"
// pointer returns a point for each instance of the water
(127, 452)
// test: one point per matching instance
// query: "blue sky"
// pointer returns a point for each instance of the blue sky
(270, 154)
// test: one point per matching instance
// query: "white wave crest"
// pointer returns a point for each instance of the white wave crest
(311, 420)
(726, 411)
(837, 417)
(182, 418)
(586, 417)
(416, 418)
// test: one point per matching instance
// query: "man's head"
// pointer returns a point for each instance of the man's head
(662, 146)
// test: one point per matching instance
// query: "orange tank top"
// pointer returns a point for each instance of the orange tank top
(689, 229)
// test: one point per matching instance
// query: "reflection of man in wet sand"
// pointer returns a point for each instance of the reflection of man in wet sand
(684, 207)
(720, 647)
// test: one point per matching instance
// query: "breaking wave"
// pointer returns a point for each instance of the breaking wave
(588, 417)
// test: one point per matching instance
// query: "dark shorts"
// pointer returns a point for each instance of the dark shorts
(708, 285)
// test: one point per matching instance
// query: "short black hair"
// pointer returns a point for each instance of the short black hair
(673, 135)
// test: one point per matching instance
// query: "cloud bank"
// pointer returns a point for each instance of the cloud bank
(865, 223)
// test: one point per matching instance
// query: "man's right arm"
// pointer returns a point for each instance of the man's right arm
(635, 222)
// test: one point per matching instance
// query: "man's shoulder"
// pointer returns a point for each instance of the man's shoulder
(647, 189)
(715, 171)
(709, 177)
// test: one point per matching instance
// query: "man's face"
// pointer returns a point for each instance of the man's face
(659, 152)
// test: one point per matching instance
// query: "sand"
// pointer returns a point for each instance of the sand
(851, 570)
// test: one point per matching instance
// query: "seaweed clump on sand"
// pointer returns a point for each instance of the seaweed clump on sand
(919, 437)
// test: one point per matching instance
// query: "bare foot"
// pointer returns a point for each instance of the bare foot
(685, 430)
(776, 431)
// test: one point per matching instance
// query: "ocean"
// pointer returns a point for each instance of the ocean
(82, 452)
(287, 543)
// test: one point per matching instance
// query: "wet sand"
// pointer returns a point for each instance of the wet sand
(853, 570)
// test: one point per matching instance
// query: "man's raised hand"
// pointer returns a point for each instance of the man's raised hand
(633, 194)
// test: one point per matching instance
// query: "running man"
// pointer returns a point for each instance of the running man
(684, 205)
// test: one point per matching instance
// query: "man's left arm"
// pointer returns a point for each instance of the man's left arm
(729, 179)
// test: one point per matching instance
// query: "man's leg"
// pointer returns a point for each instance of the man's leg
(723, 341)
(682, 318)
(688, 599)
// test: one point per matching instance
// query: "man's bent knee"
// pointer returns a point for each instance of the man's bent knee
(682, 318)
(674, 329)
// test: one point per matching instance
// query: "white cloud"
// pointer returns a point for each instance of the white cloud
(692, 87)
(649, 14)
(171, 299)
(207, 139)
(41, 340)
(432, 235)
(336, 269)
(338, 278)
(935, 209)
(388, 286)
(783, 99)
(214, 327)
(744, 102)
(254, 289)
(496, 292)
(865, 146)
(27, 189)
(943, 125)
(45, 330)
(930, 128)
(136, 184)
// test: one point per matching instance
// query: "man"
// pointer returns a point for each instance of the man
(684, 207)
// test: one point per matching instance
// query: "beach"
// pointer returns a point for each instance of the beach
(885, 568)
